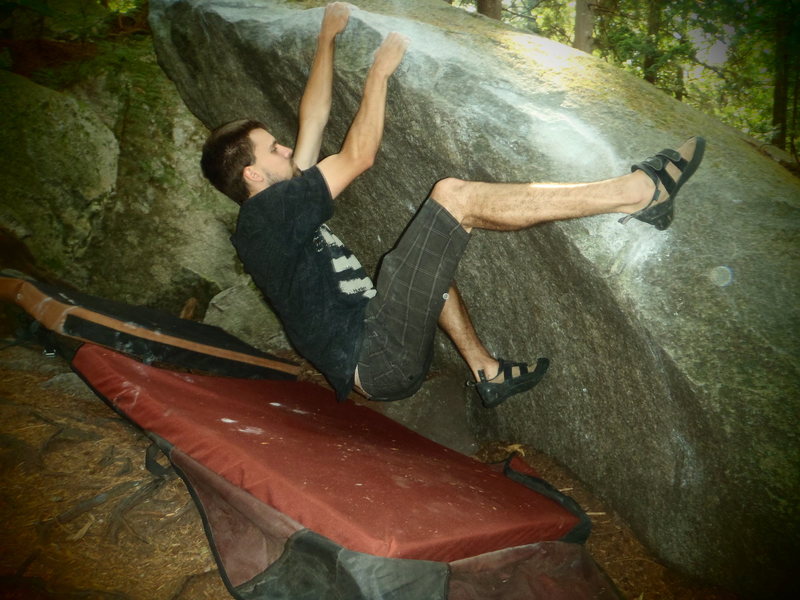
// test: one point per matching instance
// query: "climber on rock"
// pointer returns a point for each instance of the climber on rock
(379, 339)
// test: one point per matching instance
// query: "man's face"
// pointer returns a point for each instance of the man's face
(273, 161)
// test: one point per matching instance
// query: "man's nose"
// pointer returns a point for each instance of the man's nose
(287, 152)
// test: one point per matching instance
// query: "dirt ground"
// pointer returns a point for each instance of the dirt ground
(81, 517)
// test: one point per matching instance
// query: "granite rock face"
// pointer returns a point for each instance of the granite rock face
(673, 389)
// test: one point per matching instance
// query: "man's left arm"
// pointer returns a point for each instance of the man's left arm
(315, 106)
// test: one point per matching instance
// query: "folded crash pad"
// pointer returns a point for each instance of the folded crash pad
(150, 335)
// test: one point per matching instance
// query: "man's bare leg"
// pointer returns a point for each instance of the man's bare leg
(513, 206)
(495, 382)
(456, 323)
(508, 207)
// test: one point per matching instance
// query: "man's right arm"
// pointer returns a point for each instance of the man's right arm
(364, 137)
(315, 105)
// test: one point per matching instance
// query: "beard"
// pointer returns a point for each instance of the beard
(272, 178)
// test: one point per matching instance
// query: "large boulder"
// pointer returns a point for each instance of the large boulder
(674, 378)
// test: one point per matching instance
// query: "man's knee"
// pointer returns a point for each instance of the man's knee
(448, 192)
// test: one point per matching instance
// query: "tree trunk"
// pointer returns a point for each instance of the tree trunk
(793, 129)
(783, 59)
(651, 53)
(584, 25)
(490, 8)
(680, 86)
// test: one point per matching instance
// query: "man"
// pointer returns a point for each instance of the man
(380, 339)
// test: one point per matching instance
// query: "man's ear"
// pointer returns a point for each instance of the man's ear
(252, 175)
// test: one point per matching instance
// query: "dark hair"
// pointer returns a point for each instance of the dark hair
(227, 151)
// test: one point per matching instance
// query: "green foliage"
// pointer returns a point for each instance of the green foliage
(648, 37)
(550, 18)
(66, 20)
(736, 82)
(739, 90)
(111, 56)
(37, 6)
(124, 7)
(762, 55)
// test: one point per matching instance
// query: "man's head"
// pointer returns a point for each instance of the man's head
(241, 158)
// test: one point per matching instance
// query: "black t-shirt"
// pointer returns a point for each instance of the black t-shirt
(316, 286)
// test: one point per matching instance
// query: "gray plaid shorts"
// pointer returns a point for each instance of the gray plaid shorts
(401, 319)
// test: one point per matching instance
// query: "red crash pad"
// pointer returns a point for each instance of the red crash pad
(341, 470)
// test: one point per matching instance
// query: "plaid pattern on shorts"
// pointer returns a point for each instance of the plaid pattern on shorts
(411, 288)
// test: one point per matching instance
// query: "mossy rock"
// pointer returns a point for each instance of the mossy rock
(58, 172)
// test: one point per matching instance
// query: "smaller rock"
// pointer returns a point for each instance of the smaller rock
(437, 411)
(69, 383)
(241, 311)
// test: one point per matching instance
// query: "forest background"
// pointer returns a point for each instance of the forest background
(738, 60)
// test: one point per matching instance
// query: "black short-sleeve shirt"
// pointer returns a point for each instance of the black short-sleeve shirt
(313, 282)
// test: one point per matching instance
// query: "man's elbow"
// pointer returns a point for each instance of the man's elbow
(367, 161)
(360, 160)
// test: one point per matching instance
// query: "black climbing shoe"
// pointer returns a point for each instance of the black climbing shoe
(494, 394)
(687, 158)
